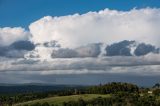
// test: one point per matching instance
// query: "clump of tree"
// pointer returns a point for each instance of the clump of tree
(113, 87)
(39, 104)
(157, 85)
(156, 92)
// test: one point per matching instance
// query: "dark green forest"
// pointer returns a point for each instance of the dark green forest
(121, 94)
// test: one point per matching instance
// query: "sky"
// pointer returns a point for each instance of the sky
(79, 42)
(23, 12)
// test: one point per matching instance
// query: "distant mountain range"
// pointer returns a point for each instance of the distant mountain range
(33, 87)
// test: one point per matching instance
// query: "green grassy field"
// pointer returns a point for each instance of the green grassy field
(58, 100)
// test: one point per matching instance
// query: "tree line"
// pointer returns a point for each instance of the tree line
(113, 88)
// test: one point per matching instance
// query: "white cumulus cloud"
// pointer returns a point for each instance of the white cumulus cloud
(10, 35)
(106, 26)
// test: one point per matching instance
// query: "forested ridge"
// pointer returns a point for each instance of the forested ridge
(120, 94)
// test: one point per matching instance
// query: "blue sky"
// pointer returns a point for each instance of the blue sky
(14, 13)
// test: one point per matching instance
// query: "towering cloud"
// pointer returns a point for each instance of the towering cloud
(106, 26)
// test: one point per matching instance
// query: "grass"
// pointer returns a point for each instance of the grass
(58, 100)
